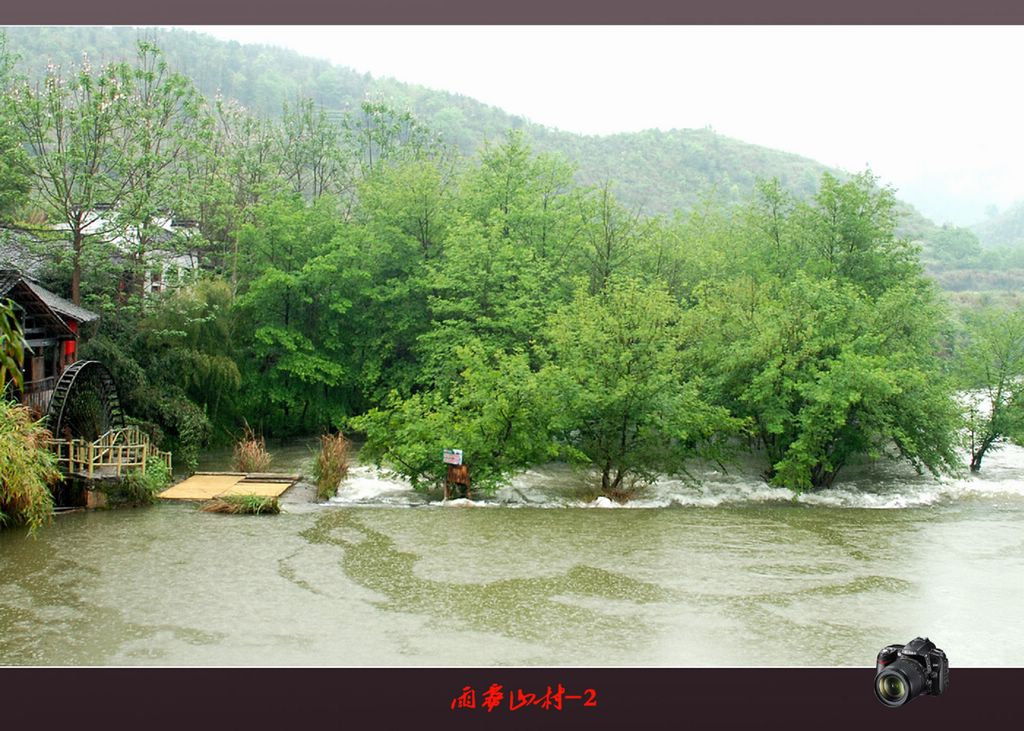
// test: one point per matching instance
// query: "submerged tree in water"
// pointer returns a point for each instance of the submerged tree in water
(827, 342)
(496, 411)
(992, 368)
(625, 404)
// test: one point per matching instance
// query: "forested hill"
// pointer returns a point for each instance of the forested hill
(1005, 229)
(653, 171)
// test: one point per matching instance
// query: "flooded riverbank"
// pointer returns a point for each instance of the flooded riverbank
(721, 571)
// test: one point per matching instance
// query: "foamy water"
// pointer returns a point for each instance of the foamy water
(878, 485)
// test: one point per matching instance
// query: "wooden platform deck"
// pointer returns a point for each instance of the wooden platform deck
(208, 485)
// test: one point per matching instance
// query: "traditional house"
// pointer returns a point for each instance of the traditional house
(50, 326)
(168, 259)
(171, 256)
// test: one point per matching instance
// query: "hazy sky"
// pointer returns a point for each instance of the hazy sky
(937, 112)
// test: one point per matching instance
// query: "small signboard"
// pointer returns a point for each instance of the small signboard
(453, 456)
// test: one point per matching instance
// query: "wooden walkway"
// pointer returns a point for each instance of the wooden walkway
(208, 485)
(109, 457)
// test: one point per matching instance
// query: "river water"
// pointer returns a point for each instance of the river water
(722, 571)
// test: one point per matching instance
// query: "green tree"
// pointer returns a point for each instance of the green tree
(818, 329)
(290, 308)
(848, 232)
(312, 159)
(488, 289)
(235, 175)
(380, 134)
(509, 254)
(955, 246)
(992, 368)
(823, 374)
(14, 183)
(524, 196)
(625, 404)
(187, 346)
(398, 232)
(76, 130)
(612, 237)
(170, 124)
(496, 411)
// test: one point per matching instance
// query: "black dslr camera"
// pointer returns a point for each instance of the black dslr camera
(903, 672)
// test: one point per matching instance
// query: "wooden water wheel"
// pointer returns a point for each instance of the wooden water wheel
(85, 403)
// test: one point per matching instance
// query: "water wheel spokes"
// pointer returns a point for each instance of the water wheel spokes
(85, 403)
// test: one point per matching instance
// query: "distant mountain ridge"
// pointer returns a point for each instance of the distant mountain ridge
(655, 171)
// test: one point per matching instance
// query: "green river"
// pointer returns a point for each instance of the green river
(724, 572)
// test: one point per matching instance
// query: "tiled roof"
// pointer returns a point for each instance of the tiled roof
(62, 306)
(9, 278)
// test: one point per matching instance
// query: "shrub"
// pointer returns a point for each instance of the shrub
(251, 453)
(27, 469)
(242, 505)
(140, 487)
(331, 464)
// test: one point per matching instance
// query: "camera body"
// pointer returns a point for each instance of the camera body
(903, 672)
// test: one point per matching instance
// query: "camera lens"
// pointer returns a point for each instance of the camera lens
(892, 688)
(900, 682)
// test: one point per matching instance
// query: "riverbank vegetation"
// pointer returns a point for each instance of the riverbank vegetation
(357, 273)
(331, 464)
(242, 505)
(139, 487)
(250, 453)
(27, 469)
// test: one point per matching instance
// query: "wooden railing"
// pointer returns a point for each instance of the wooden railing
(111, 455)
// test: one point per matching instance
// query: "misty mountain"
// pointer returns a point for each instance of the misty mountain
(654, 171)
(1005, 229)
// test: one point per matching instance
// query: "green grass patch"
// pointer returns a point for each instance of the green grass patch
(242, 505)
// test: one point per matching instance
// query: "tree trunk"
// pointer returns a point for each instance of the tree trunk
(76, 269)
(822, 478)
(976, 456)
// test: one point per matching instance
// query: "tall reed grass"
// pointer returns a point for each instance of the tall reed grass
(251, 453)
(331, 464)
